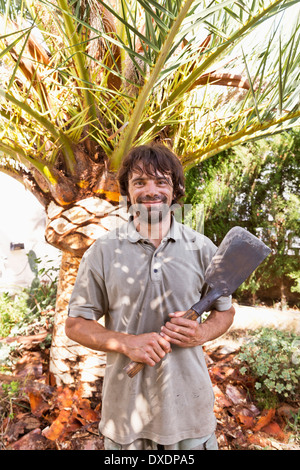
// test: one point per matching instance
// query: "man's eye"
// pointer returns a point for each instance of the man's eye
(162, 183)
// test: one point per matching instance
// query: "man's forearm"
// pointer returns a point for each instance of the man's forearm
(148, 348)
(216, 324)
(91, 334)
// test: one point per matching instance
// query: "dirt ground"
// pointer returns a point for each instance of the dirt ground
(254, 317)
(250, 318)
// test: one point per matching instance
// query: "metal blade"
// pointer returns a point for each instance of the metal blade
(239, 254)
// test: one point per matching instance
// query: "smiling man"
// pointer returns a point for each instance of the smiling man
(143, 275)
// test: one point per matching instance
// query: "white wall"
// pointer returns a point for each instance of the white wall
(22, 220)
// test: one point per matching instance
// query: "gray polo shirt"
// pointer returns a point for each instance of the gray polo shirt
(124, 278)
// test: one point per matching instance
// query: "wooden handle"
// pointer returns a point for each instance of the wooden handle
(134, 367)
(191, 315)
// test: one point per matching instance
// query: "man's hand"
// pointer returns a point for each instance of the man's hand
(189, 333)
(148, 348)
(182, 332)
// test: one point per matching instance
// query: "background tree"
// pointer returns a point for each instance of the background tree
(83, 81)
(257, 187)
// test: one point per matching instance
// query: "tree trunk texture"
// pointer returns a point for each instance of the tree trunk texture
(73, 230)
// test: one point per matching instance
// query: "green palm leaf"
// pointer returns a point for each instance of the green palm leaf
(124, 73)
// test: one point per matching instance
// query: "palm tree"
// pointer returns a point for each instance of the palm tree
(83, 81)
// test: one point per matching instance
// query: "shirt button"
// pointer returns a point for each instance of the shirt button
(155, 270)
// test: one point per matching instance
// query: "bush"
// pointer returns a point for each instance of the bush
(23, 313)
(9, 394)
(272, 357)
(12, 310)
(43, 289)
(29, 311)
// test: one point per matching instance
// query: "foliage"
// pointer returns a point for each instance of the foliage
(272, 356)
(104, 75)
(296, 277)
(43, 289)
(10, 393)
(255, 186)
(294, 425)
(30, 309)
(12, 310)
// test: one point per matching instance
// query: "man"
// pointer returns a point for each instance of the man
(142, 276)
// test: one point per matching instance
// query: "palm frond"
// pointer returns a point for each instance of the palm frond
(129, 133)
(109, 75)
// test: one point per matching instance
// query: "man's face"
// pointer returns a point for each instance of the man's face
(151, 196)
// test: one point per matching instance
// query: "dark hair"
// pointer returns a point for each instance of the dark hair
(151, 159)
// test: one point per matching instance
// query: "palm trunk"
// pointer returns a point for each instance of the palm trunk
(71, 363)
(76, 229)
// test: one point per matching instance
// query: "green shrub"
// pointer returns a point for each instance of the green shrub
(272, 357)
(9, 395)
(43, 289)
(12, 310)
(26, 312)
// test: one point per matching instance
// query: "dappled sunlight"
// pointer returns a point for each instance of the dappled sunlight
(138, 417)
(159, 299)
(140, 406)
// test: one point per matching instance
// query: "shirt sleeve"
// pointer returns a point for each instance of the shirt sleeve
(222, 303)
(89, 296)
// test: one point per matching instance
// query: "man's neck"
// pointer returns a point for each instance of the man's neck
(154, 232)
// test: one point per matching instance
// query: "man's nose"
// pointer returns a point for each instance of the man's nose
(151, 188)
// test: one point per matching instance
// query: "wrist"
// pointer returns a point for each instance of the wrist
(123, 343)
(204, 333)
